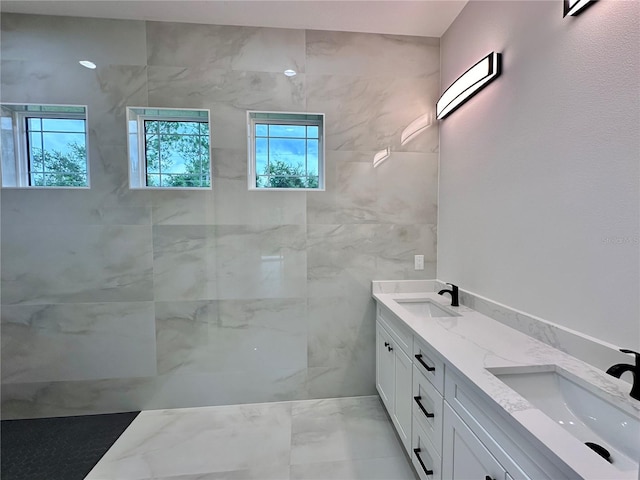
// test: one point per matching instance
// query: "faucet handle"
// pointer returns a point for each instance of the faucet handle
(626, 350)
(455, 287)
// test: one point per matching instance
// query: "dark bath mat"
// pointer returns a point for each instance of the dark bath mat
(59, 448)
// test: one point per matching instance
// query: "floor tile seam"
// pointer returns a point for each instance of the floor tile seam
(277, 465)
(351, 459)
(282, 402)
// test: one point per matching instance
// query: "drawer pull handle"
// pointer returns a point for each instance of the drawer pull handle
(426, 470)
(390, 349)
(429, 369)
(424, 410)
(386, 344)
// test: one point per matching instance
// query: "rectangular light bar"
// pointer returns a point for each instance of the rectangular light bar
(573, 7)
(468, 84)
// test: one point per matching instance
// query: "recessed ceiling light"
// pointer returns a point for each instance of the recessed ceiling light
(87, 64)
(290, 73)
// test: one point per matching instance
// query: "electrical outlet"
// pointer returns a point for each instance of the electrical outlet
(418, 262)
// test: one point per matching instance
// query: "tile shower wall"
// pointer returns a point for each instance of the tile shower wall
(115, 299)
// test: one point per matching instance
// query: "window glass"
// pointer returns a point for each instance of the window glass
(44, 146)
(174, 151)
(286, 151)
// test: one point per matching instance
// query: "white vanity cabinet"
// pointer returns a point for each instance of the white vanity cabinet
(470, 420)
(394, 373)
(428, 384)
(465, 457)
(448, 428)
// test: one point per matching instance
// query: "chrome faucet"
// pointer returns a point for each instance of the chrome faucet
(454, 294)
(618, 369)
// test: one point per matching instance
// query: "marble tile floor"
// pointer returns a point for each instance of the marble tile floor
(328, 439)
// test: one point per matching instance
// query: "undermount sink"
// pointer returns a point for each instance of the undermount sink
(425, 308)
(582, 413)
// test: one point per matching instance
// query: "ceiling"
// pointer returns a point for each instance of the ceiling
(429, 18)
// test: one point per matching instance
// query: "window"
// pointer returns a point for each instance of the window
(286, 151)
(169, 148)
(44, 146)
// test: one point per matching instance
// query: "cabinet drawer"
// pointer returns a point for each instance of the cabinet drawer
(521, 459)
(465, 457)
(424, 456)
(429, 364)
(398, 330)
(427, 408)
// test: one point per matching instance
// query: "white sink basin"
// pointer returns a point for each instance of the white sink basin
(425, 308)
(584, 414)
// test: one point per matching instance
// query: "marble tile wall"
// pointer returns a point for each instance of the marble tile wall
(115, 299)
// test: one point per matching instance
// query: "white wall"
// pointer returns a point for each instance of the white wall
(539, 173)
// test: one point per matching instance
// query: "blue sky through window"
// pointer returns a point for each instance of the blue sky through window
(295, 145)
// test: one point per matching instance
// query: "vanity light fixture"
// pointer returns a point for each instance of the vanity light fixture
(381, 156)
(574, 7)
(290, 73)
(468, 84)
(87, 64)
(419, 125)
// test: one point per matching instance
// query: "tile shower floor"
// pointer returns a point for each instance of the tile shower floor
(343, 438)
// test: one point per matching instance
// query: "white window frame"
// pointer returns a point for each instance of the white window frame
(138, 172)
(20, 131)
(251, 138)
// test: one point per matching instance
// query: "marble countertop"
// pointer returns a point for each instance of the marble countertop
(473, 343)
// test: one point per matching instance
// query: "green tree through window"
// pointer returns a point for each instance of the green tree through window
(55, 168)
(177, 153)
(279, 174)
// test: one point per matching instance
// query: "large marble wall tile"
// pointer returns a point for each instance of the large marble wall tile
(89, 397)
(230, 164)
(341, 259)
(235, 204)
(342, 331)
(369, 113)
(66, 207)
(81, 264)
(204, 87)
(231, 388)
(82, 341)
(366, 54)
(403, 190)
(229, 126)
(69, 39)
(184, 262)
(407, 189)
(106, 91)
(182, 336)
(259, 335)
(180, 207)
(398, 245)
(227, 47)
(231, 336)
(261, 261)
(351, 190)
